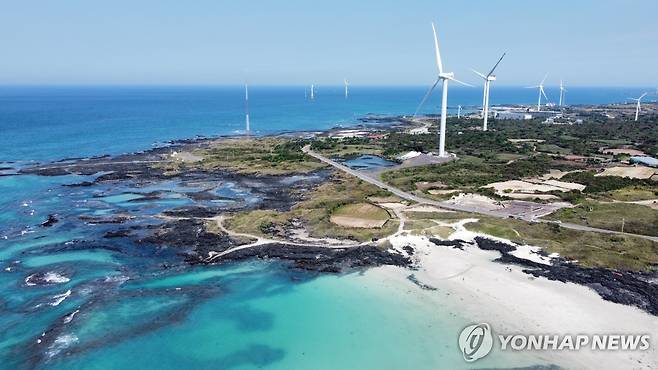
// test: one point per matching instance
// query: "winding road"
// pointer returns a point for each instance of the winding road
(454, 207)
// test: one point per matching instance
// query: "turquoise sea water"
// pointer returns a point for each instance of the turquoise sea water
(112, 305)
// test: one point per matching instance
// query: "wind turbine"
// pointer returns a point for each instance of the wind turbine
(487, 83)
(443, 77)
(312, 91)
(562, 91)
(637, 107)
(347, 83)
(541, 92)
(459, 111)
(246, 108)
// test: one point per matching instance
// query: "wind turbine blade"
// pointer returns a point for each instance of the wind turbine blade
(496, 65)
(642, 96)
(436, 50)
(460, 82)
(531, 87)
(544, 80)
(479, 74)
(543, 93)
(427, 95)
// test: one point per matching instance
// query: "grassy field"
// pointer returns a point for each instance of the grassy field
(637, 219)
(342, 194)
(467, 173)
(552, 148)
(361, 215)
(264, 156)
(352, 150)
(631, 194)
(589, 249)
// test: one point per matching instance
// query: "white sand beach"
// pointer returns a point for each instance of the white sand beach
(514, 302)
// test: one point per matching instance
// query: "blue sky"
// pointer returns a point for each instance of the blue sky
(586, 42)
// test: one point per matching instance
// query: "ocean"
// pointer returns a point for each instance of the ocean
(74, 300)
(47, 123)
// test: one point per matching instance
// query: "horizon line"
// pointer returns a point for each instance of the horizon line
(251, 84)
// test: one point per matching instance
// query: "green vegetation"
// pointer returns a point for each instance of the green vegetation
(467, 173)
(346, 147)
(588, 248)
(263, 156)
(467, 143)
(364, 211)
(598, 184)
(637, 219)
(632, 194)
(315, 213)
(586, 138)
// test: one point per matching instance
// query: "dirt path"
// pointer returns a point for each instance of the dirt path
(454, 207)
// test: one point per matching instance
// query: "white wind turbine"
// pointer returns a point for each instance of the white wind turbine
(541, 92)
(443, 77)
(638, 106)
(312, 91)
(485, 99)
(459, 111)
(246, 108)
(562, 91)
(347, 83)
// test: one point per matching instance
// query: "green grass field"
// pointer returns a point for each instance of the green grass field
(636, 219)
(262, 156)
(631, 194)
(342, 194)
(588, 248)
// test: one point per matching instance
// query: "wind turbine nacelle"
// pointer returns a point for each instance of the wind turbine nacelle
(491, 78)
(447, 75)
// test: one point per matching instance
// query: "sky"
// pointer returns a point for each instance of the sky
(295, 42)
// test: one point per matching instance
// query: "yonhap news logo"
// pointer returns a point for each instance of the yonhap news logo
(477, 340)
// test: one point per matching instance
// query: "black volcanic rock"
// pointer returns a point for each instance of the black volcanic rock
(50, 221)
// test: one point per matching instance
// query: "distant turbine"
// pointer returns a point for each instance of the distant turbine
(638, 106)
(347, 83)
(443, 77)
(246, 107)
(459, 111)
(312, 91)
(485, 99)
(541, 92)
(562, 91)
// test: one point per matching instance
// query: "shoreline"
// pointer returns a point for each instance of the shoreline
(512, 301)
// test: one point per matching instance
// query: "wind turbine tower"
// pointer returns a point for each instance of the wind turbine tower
(541, 92)
(490, 77)
(347, 92)
(246, 108)
(638, 106)
(443, 77)
(312, 91)
(562, 91)
(459, 111)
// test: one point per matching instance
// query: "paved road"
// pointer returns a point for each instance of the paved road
(453, 207)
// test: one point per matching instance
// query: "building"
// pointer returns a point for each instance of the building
(419, 130)
(645, 161)
(513, 115)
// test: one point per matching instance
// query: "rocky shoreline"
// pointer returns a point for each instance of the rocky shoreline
(182, 227)
(624, 287)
